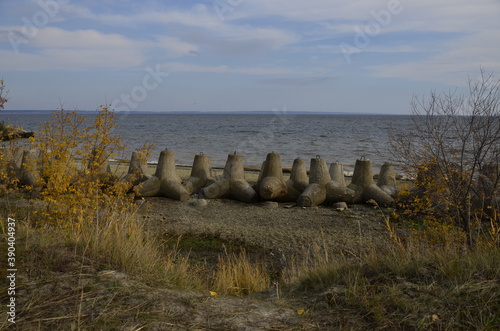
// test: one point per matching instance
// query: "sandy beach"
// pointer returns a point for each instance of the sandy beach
(265, 226)
(268, 226)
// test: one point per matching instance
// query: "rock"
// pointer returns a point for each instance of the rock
(199, 203)
(340, 206)
(270, 204)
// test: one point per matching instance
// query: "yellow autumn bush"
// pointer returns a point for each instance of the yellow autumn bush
(73, 160)
(89, 206)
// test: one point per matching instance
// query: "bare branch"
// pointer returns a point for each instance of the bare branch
(3, 94)
(457, 137)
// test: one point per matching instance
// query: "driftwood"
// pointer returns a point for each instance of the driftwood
(17, 135)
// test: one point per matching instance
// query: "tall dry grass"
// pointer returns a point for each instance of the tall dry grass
(410, 288)
(237, 275)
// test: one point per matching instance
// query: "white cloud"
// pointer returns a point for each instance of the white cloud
(429, 15)
(452, 63)
(79, 11)
(68, 59)
(199, 16)
(54, 48)
(241, 41)
(335, 49)
(82, 39)
(188, 67)
(201, 25)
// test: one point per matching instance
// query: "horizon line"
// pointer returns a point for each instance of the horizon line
(208, 112)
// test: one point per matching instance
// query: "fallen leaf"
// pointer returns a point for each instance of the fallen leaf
(214, 294)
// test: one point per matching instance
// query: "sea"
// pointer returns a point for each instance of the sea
(340, 138)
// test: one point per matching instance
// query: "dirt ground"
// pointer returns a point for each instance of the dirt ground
(268, 226)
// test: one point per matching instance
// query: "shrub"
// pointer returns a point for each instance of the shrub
(453, 152)
(73, 161)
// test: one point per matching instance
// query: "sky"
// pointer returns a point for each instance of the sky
(364, 56)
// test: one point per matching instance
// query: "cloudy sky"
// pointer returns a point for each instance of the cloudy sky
(366, 56)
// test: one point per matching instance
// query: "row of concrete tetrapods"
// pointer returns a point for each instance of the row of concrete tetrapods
(324, 184)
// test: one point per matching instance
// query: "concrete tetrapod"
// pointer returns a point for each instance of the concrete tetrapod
(232, 184)
(98, 165)
(336, 189)
(201, 174)
(165, 181)
(11, 160)
(271, 184)
(387, 179)
(298, 180)
(315, 192)
(363, 184)
(28, 173)
(137, 169)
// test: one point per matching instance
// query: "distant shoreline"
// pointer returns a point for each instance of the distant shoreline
(256, 112)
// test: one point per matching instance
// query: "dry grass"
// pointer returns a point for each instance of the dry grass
(88, 278)
(237, 275)
(394, 288)
(114, 275)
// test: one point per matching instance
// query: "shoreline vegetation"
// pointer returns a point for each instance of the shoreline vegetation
(90, 256)
(158, 273)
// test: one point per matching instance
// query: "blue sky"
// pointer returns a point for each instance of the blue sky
(365, 56)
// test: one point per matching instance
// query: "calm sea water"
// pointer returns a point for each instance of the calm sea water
(342, 138)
